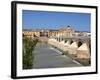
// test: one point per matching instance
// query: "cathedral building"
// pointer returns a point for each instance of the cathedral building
(62, 32)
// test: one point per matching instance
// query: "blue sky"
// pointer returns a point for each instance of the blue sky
(54, 20)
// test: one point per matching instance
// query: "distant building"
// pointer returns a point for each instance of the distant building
(65, 32)
(31, 33)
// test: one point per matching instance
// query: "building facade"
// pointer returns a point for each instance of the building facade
(62, 32)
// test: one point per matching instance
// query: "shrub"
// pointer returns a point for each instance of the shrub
(28, 48)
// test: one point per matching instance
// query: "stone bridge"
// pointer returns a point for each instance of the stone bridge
(78, 46)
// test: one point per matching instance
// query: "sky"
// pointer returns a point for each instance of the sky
(54, 20)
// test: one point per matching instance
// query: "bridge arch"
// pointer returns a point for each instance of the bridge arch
(71, 42)
(79, 43)
(65, 41)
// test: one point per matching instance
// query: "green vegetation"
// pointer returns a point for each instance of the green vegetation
(28, 56)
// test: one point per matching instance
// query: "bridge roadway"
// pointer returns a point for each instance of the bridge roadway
(45, 56)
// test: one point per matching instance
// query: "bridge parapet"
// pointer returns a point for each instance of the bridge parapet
(78, 46)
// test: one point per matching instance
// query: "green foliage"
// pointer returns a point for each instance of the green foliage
(28, 56)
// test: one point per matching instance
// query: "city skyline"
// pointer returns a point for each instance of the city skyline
(55, 20)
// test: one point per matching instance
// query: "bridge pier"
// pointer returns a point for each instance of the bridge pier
(73, 48)
(61, 45)
(83, 51)
(78, 47)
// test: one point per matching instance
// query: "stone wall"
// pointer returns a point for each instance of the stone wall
(79, 52)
